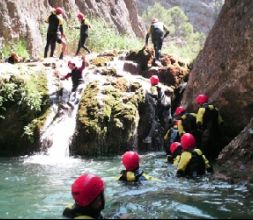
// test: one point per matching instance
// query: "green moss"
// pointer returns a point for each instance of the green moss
(101, 61)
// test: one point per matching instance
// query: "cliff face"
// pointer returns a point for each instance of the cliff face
(223, 69)
(23, 19)
(202, 14)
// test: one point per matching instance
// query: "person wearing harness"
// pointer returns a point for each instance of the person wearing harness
(88, 194)
(187, 124)
(132, 172)
(55, 32)
(85, 26)
(209, 121)
(76, 76)
(192, 162)
(158, 32)
(161, 114)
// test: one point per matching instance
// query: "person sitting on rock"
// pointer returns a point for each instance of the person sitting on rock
(210, 122)
(55, 33)
(161, 113)
(85, 26)
(88, 194)
(14, 58)
(192, 162)
(158, 32)
(187, 123)
(174, 153)
(76, 76)
(132, 172)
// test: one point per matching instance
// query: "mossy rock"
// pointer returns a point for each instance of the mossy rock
(23, 109)
(106, 126)
(101, 61)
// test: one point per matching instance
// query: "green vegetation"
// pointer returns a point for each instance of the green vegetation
(19, 47)
(182, 42)
(23, 105)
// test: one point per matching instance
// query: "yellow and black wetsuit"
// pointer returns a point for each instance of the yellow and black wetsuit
(210, 123)
(192, 164)
(54, 32)
(75, 212)
(134, 177)
(187, 124)
(208, 115)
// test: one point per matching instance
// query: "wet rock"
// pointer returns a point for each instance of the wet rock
(236, 160)
(223, 68)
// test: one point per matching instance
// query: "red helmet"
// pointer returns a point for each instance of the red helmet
(59, 11)
(188, 141)
(80, 16)
(154, 20)
(174, 146)
(201, 99)
(71, 63)
(154, 80)
(131, 160)
(180, 110)
(86, 189)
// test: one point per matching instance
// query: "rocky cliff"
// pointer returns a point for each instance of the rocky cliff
(202, 14)
(223, 70)
(23, 19)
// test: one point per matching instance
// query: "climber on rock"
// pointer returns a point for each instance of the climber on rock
(77, 78)
(160, 109)
(132, 172)
(85, 26)
(88, 194)
(210, 122)
(55, 33)
(158, 32)
(192, 162)
(187, 124)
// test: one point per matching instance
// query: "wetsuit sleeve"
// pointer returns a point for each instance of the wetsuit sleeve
(82, 67)
(184, 160)
(180, 128)
(67, 76)
(200, 116)
(166, 31)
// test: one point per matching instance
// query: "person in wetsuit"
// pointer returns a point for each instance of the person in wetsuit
(55, 32)
(77, 80)
(209, 122)
(83, 33)
(192, 162)
(88, 194)
(158, 32)
(132, 173)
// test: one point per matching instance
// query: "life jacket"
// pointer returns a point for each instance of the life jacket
(137, 176)
(208, 116)
(192, 164)
(187, 124)
(75, 212)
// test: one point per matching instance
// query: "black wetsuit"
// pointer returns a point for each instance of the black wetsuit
(83, 37)
(55, 29)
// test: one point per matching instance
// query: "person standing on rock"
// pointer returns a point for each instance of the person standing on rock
(158, 32)
(76, 76)
(85, 26)
(55, 32)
